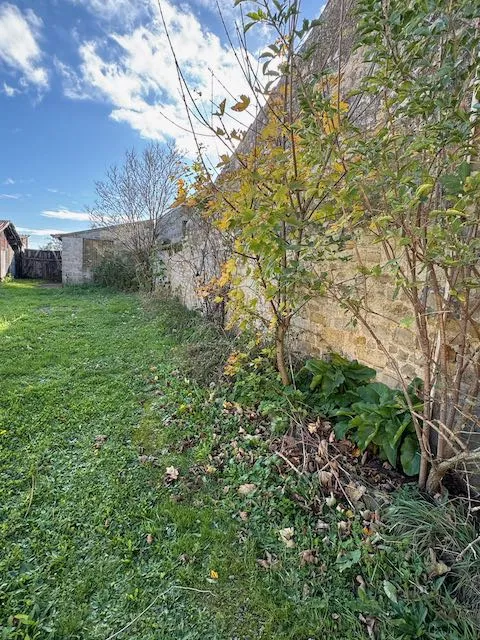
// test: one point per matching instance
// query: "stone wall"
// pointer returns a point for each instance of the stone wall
(75, 270)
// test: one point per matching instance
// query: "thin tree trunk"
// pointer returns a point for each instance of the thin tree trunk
(280, 335)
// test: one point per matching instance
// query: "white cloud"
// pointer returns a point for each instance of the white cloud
(9, 181)
(9, 91)
(121, 11)
(40, 232)
(66, 214)
(10, 196)
(19, 49)
(135, 73)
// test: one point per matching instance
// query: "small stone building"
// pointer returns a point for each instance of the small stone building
(82, 251)
(11, 247)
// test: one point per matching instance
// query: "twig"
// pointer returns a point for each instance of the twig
(160, 595)
(300, 473)
(467, 548)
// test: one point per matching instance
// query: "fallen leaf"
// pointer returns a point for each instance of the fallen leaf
(322, 526)
(323, 450)
(361, 583)
(245, 489)
(309, 556)
(369, 622)
(171, 474)
(100, 441)
(286, 536)
(312, 427)
(436, 567)
(331, 501)
(344, 528)
(355, 491)
(326, 478)
(213, 574)
(149, 538)
(268, 562)
(390, 591)
(243, 515)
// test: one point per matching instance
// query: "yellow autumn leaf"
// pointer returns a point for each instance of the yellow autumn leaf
(242, 105)
(213, 574)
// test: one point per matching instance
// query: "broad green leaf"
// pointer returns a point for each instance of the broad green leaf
(390, 591)
(410, 455)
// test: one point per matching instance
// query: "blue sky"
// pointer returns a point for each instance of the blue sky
(83, 80)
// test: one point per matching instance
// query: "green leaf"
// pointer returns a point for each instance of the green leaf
(348, 560)
(390, 591)
(221, 108)
(410, 455)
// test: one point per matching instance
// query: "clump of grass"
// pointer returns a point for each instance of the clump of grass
(446, 528)
(203, 347)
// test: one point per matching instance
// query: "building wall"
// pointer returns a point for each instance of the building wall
(72, 261)
(7, 257)
(77, 253)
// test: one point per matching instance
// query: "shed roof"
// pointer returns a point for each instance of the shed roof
(11, 234)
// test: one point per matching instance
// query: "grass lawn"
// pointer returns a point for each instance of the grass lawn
(95, 533)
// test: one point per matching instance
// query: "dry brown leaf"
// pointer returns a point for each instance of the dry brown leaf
(100, 441)
(344, 528)
(323, 450)
(312, 427)
(268, 562)
(171, 474)
(245, 489)
(286, 536)
(436, 567)
(369, 622)
(355, 491)
(309, 556)
(243, 515)
(325, 478)
(149, 538)
(322, 526)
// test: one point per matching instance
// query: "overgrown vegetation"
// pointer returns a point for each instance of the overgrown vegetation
(316, 177)
(126, 486)
(117, 271)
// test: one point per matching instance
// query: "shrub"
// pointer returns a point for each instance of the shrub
(371, 413)
(117, 272)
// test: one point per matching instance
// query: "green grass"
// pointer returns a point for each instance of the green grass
(75, 557)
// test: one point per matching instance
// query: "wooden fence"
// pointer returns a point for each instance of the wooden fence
(38, 263)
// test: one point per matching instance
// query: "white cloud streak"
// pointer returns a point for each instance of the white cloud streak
(19, 48)
(66, 214)
(39, 232)
(10, 196)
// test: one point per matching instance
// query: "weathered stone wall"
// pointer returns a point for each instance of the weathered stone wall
(74, 270)
(72, 260)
